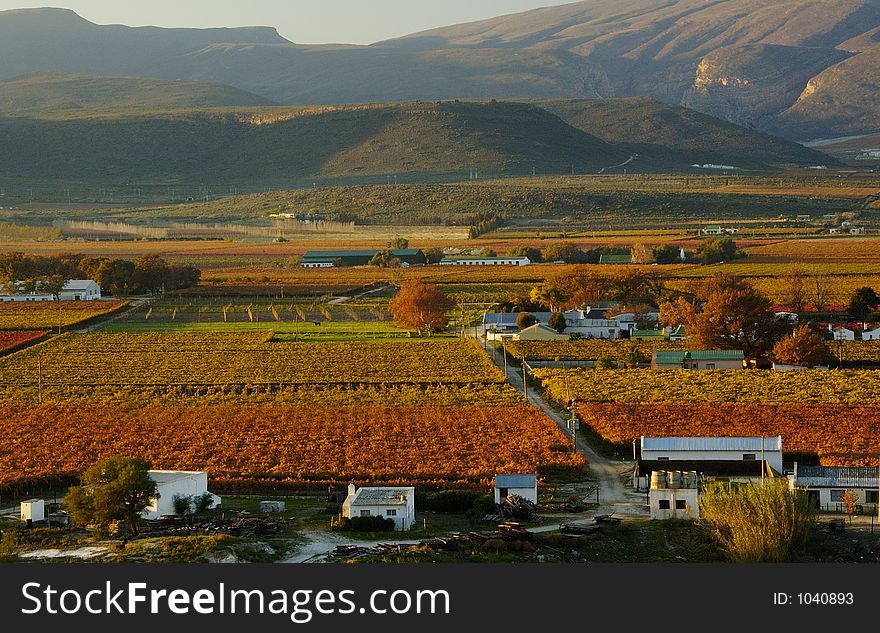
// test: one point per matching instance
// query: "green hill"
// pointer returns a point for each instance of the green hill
(666, 134)
(274, 146)
(47, 92)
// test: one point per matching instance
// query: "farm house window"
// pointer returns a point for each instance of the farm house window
(681, 504)
(664, 504)
(710, 365)
(871, 496)
(365, 513)
(748, 457)
(837, 496)
(391, 513)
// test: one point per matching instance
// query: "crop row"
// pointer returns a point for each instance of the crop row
(298, 443)
(587, 349)
(639, 386)
(161, 359)
(20, 315)
(11, 339)
(839, 435)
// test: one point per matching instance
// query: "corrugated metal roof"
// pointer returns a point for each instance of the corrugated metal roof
(408, 252)
(381, 496)
(710, 443)
(838, 476)
(515, 481)
(509, 318)
(671, 357)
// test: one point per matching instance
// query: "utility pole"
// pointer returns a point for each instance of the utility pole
(40, 376)
(525, 384)
(504, 351)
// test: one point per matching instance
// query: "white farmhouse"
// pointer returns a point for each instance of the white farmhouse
(171, 483)
(525, 486)
(871, 335)
(826, 485)
(74, 290)
(397, 504)
(674, 495)
(485, 261)
(842, 333)
(702, 449)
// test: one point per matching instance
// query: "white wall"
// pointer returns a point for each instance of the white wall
(33, 509)
(690, 497)
(526, 493)
(773, 458)
(188, 484)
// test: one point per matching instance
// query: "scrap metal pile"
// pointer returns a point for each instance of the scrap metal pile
(241, 526)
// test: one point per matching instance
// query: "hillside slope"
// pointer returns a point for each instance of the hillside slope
(671, 134)
(284, 145)
(47, 92)
(747, 61)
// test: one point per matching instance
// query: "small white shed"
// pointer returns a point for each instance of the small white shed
(171, 483)
(525, 486)
(397, 504)
(33, 510)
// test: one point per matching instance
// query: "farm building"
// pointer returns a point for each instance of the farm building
(842, 333)
(648, 335)
(857, 230)
(74, 290)
(172, 483)
(677, 334)
(397, 504)
(871, 335)
(485, 261)
(525, 486)
(33, 510)
(804, 218)
(698, 359)
(826, 485)
(713, 230)
(540, 332)
(505, 322)
(332, 259)
(674, 495)
(623, 258)
(713, 449)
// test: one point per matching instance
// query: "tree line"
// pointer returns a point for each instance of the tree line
(710, 251)
(22, 273)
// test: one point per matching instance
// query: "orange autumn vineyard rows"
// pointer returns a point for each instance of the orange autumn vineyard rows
(296, 444)
(16, 315)
(839, 435)
(161, 359)
(639, 386)
(11, 340)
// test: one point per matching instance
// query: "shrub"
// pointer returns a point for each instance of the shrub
(365, 524)
(755, 523)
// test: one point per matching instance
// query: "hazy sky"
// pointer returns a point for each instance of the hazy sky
(302, 21)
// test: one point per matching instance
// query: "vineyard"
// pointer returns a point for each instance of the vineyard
(839, 435)
(168, 359)
(640, 386)
(17, 315)
(10, 340)
(285, 443)
(586, 349)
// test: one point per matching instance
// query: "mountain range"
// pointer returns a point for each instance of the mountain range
(802, 69)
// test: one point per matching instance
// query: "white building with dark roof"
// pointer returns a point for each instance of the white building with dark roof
(826, 485)
(397, 504)
(714, 449)
(525, 486)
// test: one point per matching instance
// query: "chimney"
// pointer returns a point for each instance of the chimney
(350, 489)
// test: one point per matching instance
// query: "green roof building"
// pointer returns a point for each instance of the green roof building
(329, 259)
(698, 359)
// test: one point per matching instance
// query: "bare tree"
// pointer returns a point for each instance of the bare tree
(795, 289)
(821, 286)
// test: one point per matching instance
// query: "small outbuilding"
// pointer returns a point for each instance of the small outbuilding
(176, 483)
(525, 486)
(698, 359)
(827, 485)
(397, 504)
(33, 510)
(540, 332)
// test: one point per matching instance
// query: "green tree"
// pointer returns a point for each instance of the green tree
(525, 320)
(667, 254)
(116, 275)
(564, 252)
(384, 259)
(557, 322)
(737, 319)
(434, 255)
(718, 249)
(863, 301)
(534, 254)
(53, 285)
(398, 244)
(117, 489)
(549, 297)
(150, 273)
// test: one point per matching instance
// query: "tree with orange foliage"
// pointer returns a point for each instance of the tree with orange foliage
(737, 319)
(678, 312)
(803, 347)
(420, 306)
